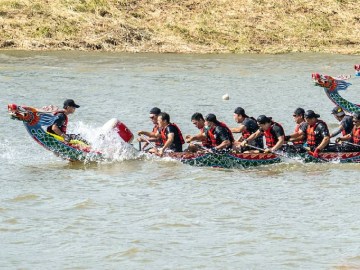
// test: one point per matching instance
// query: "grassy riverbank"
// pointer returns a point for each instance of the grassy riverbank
(202, 26)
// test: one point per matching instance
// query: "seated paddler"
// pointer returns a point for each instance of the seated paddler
(169, 133)
(199, 122)
(247, 126)
(351, 142)
(298, 137)
(317, 133)
(218, 133)
(59, 127)
(153, 116)
(273, 132)
(346, 122)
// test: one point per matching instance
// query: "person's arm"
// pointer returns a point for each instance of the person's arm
(347, 137)
(238, 129)
(197, 137)
(169, 141)
(223, 145)
(149, 134)
(251, 137)
(337, 131)
(325, 141)
(57, 130)
(280, 142)
(58, 123)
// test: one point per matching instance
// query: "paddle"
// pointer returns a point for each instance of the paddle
(274, 152)
(146, 139)
(353, 144)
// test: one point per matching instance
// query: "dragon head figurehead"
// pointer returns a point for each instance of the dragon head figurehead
(28, 115)
(325, 81)
(329, 83)
(31, 116)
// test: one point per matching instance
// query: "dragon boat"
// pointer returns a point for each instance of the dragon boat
(36, 121)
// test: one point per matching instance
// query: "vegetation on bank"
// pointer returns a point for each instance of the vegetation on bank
(201, 26)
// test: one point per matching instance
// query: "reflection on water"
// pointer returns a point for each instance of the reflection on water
(145, 213)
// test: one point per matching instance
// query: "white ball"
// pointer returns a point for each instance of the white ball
(226, 97)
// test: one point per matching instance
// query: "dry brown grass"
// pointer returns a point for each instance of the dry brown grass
(216, 26)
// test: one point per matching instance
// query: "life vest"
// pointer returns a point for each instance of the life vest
(155, 130)
(206, 142)
(270, 136)
(356, 135)
(245, 134)
(63, 127)
(311, 138)
(297, 128)
(164, 133)
(211, 135)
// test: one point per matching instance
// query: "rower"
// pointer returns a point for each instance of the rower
(247, 127)
(346, 122)
(273, 132)
(59, 127)
(199, 122)
(169, 133)
(317, 133)
(353, 139)
(298, 137)
(218, 133)
(154, 113)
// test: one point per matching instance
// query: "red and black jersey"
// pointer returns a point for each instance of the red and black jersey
(61, 122)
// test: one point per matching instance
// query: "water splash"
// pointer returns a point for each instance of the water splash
(106, 141)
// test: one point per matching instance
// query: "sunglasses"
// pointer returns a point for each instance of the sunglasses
(152, 117)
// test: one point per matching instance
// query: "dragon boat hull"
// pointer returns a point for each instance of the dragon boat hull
(244, 160)
(226, 160)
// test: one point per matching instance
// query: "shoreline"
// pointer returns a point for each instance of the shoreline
(192, 26)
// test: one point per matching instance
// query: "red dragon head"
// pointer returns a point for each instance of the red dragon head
(325, 81)
(23, 113)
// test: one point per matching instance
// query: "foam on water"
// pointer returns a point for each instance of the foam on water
(107, 141)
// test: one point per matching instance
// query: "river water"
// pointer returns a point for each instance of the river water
(158, 214)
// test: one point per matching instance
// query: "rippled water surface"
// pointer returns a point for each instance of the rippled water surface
(144, 213)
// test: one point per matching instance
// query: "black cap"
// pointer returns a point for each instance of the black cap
(155, 110)
(356, 116)
(240, 111)
(262, 119)
(311, 114)
(70, 102)
(299, 111)
(211, 117)
(338, 111)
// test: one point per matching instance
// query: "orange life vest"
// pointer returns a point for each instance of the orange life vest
(164, 133)
(206, 142)
(211, 135)
(356, 135)
(155, 130)
(311, 138)
(63, 127)
(270, 136)
(297, 128)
